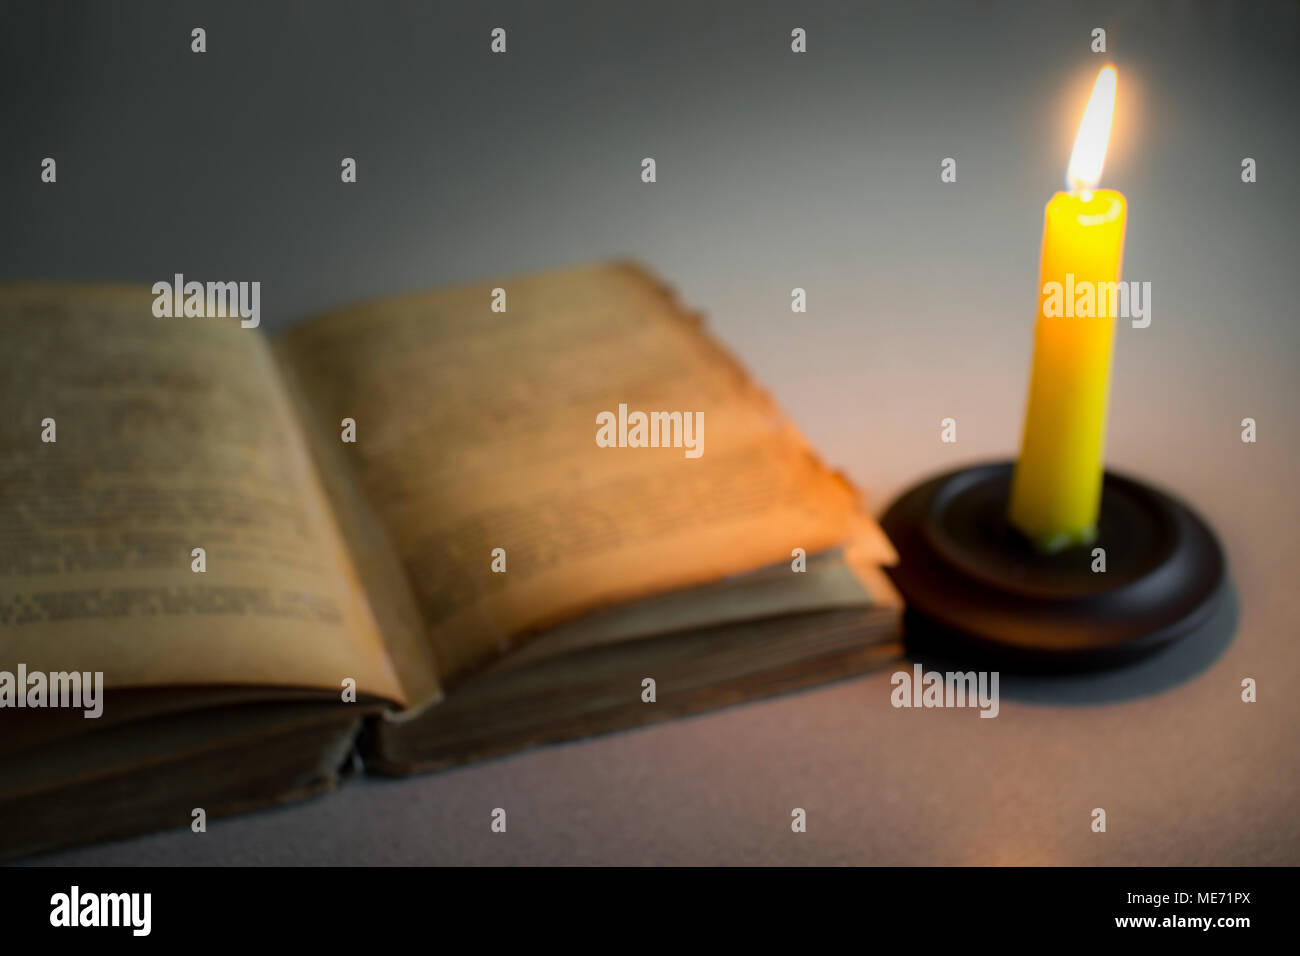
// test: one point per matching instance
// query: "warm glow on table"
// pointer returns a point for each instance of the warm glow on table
(1056, 488)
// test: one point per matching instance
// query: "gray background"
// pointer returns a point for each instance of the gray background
(775, 171)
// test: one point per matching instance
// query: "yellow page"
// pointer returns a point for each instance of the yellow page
(476, 437)
(170, 434)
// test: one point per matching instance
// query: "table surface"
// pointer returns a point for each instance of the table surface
(775, 170)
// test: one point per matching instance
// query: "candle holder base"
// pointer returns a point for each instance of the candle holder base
(976, 588)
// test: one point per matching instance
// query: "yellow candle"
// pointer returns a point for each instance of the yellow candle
(1056, 487)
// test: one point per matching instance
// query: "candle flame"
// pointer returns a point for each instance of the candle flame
(1084, 171)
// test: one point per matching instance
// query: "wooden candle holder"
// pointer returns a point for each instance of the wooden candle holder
(977, 590)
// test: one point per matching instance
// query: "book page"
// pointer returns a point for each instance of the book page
(829, 582)
(477, 447)
(127, 441)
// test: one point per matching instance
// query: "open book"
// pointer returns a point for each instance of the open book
(403, 535)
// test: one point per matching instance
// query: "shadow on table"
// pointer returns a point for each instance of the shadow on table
(1174, 665)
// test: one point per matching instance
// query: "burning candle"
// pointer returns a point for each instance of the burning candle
(1056, 486)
